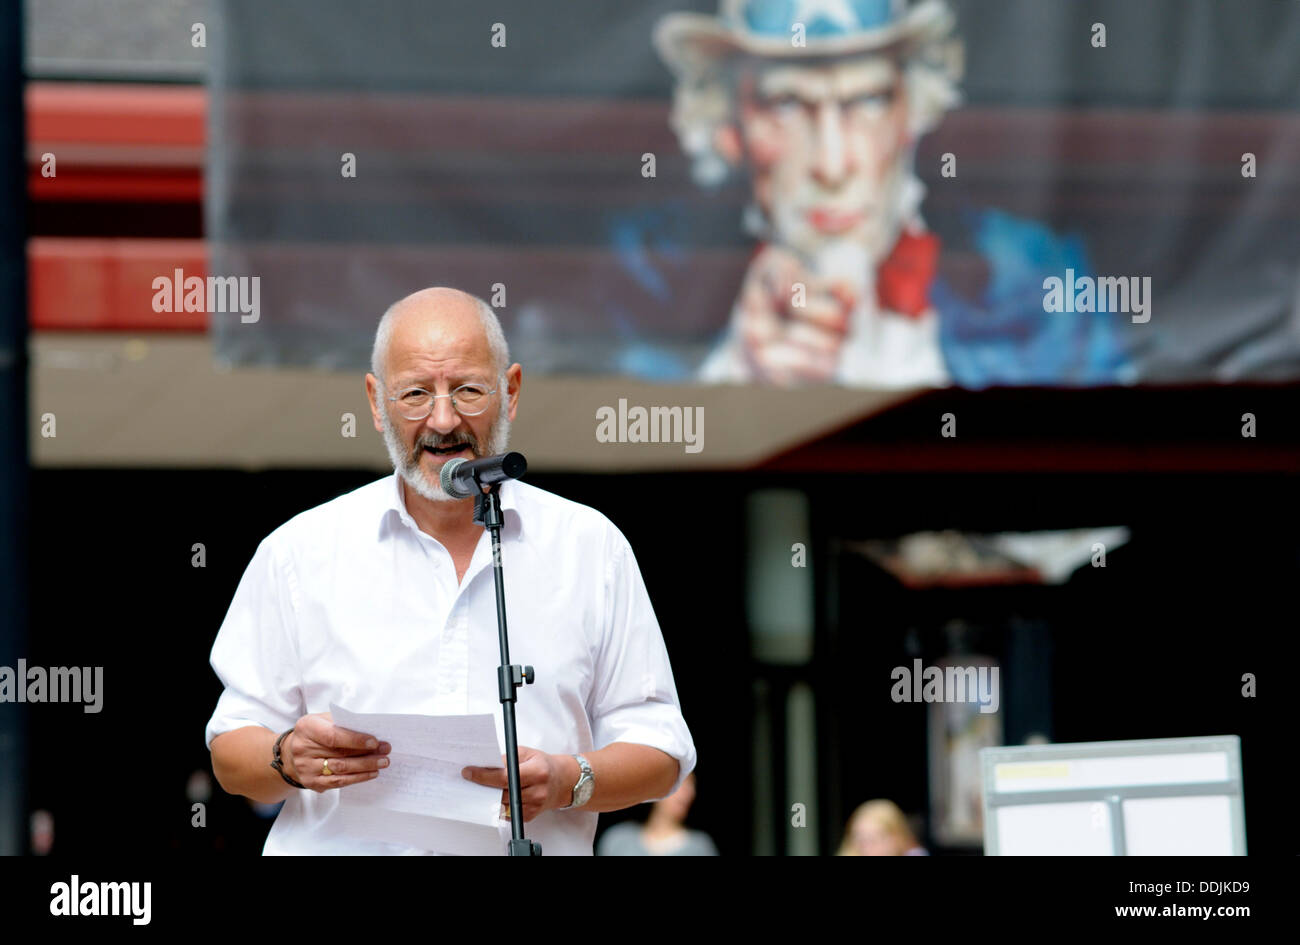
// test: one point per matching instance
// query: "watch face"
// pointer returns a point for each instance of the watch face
(586, 783)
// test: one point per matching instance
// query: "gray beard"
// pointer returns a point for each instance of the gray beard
(407, 462)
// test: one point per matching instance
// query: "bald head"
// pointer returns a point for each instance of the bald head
(434, 325)
(440, 340)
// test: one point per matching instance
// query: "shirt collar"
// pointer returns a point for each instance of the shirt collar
(394, 508)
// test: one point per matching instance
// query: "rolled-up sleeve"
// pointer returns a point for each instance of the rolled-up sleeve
(255, 654)
(634, 698)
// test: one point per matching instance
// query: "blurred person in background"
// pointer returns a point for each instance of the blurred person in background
(663, 834)
(878, 828)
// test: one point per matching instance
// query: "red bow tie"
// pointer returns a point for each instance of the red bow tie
(903, 279)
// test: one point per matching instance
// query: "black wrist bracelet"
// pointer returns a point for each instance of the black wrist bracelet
(278, 765)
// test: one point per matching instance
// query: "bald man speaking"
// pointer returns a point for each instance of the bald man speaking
(382, 600)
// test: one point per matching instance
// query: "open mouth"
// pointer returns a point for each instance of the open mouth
(446, 450)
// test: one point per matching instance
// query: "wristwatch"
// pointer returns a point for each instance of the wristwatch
(586, 784)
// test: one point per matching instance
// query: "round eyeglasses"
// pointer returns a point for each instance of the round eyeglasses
(469, 400)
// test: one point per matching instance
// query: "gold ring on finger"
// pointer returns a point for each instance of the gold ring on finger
(325, 767)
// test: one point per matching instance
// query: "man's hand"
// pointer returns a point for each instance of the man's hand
(353, 757)
(545, 781)
(783, 341)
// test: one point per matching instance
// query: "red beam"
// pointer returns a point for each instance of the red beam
(137, 143)
(1033, 457)
(107, 284)
(104, 114)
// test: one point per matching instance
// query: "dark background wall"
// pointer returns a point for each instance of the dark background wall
(1153, 646)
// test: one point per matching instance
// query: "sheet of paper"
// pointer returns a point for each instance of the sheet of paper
(421, 798)
(447, 837)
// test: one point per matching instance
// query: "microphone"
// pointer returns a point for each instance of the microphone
(461, 478)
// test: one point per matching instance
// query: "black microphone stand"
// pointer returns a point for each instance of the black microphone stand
(487, 512)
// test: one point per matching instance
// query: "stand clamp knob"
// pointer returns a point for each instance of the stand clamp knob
(510, 678)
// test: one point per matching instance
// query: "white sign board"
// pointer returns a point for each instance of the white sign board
(1170, 796)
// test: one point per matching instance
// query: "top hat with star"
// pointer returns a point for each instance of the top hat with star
(798, 30)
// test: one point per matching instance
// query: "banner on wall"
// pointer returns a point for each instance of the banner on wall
(871, 193)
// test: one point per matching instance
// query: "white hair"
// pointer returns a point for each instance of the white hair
(496, 338)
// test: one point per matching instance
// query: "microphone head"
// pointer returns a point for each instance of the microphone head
(446, 478)
(514, 465)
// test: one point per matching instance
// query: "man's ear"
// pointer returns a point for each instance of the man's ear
(514, 380)
(372, 395)
(726, 141)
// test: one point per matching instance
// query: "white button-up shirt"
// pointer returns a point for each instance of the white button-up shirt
(351, 603)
